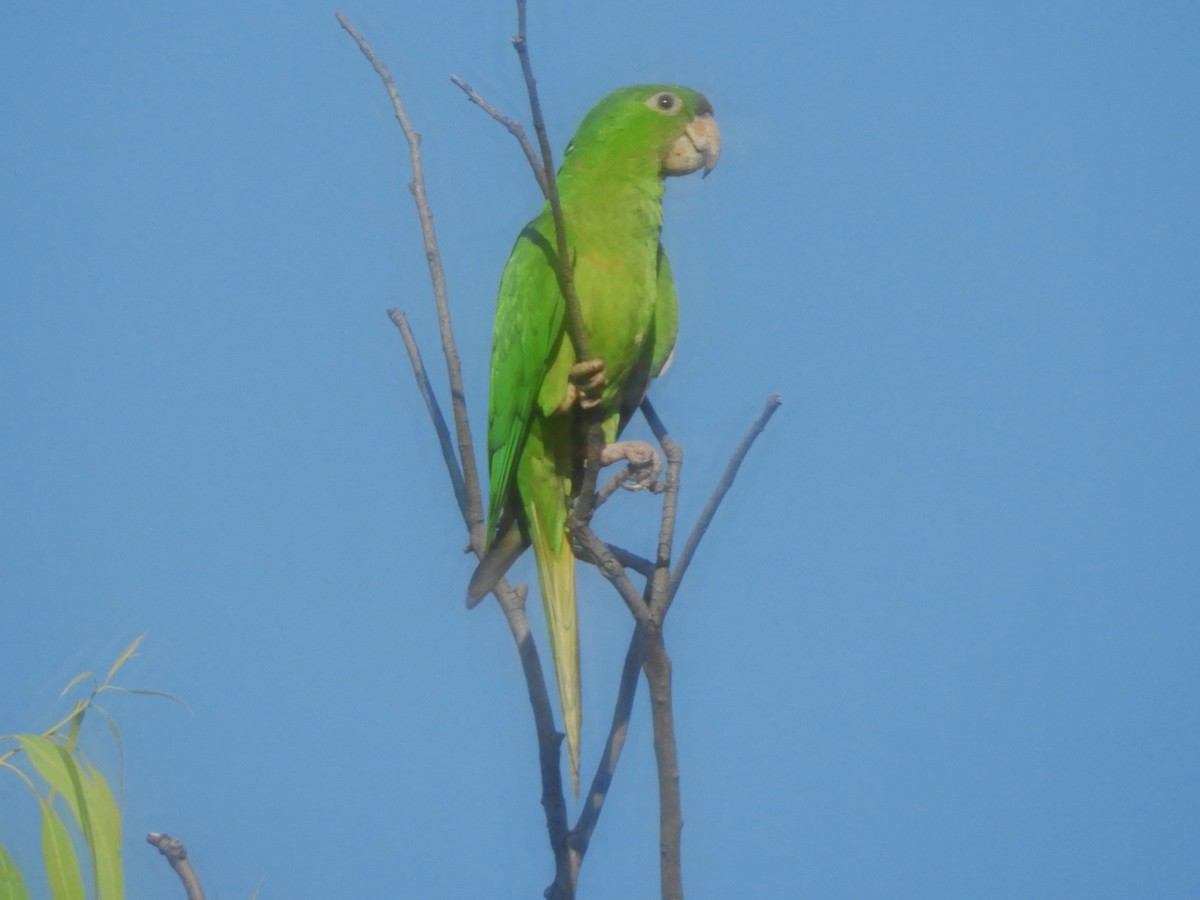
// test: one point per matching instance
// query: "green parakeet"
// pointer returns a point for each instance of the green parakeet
(611, 188)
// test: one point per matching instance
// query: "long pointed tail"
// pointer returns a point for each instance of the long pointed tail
(556, 575)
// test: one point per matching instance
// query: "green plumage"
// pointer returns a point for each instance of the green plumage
(611, 188)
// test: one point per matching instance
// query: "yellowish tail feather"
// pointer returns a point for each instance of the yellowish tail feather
(556, 575)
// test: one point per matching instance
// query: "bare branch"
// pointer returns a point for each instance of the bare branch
(612, 486)
(597, 552)
(631, 560)
(718, 494)
(177, 856)
(435, 411)
(581, 834)
(576, 328)
(670, 812)
(575, 324)
(658, 590)
(466, 447)
(512, 604)
(647, 651)
(513, 126)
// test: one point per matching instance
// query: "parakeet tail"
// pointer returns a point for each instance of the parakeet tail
(556, 575)
(509, 544)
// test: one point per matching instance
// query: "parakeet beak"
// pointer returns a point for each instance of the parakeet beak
(698, 147)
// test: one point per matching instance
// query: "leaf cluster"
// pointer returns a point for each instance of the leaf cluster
(78, 810)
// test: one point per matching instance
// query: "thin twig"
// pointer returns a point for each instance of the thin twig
(514, 128)
(177, 856)
(658, 592)
(710, 509)
(581, 834)
(437, 276)
(585, 500)
(512, 603)
(631, 560)
(435, 411)
(597, 552)
(575, 325)
(613, 485)
(576, 328)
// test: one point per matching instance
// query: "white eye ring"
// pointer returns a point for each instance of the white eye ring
(664, 102)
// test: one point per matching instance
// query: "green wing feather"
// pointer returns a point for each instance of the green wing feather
(666, 318)
(528, 331)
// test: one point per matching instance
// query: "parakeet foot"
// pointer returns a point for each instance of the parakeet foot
(644, 462)
(587, 381)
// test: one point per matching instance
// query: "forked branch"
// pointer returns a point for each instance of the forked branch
(437, 276)
(467, 489)
(648, 607)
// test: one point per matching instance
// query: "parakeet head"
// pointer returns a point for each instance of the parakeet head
(663, 129)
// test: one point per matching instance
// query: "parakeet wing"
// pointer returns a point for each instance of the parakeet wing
(529, 326)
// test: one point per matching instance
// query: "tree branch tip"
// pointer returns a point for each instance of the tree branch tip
(167, 845)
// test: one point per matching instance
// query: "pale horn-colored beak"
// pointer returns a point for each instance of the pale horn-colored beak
(698, 147)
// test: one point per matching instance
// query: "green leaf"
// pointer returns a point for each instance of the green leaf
(74, 681)
(62, 868)
(12, 885)
(125, 656)
(117, 739)
(66, 776)
(76, 725)
(54, 763)
(146, 692)
(104, 838)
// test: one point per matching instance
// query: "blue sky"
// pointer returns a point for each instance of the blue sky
(943, 639)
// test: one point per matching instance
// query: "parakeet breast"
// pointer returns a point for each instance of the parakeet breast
(617, 290)
(613, 227)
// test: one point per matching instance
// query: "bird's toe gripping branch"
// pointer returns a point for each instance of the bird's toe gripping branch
(645, 464)
(586, 383)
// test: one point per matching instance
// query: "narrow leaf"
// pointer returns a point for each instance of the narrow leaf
(125, 656)
(56, 765)
(66, 776)
(12, 885)
(74, 681)
(116, 733)
(62, 868)
(147, 692)
(76, 726)
(104, 839)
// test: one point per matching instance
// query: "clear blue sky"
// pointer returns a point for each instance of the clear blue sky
(944, 637)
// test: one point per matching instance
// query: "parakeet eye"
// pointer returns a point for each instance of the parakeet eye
(664, 102)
